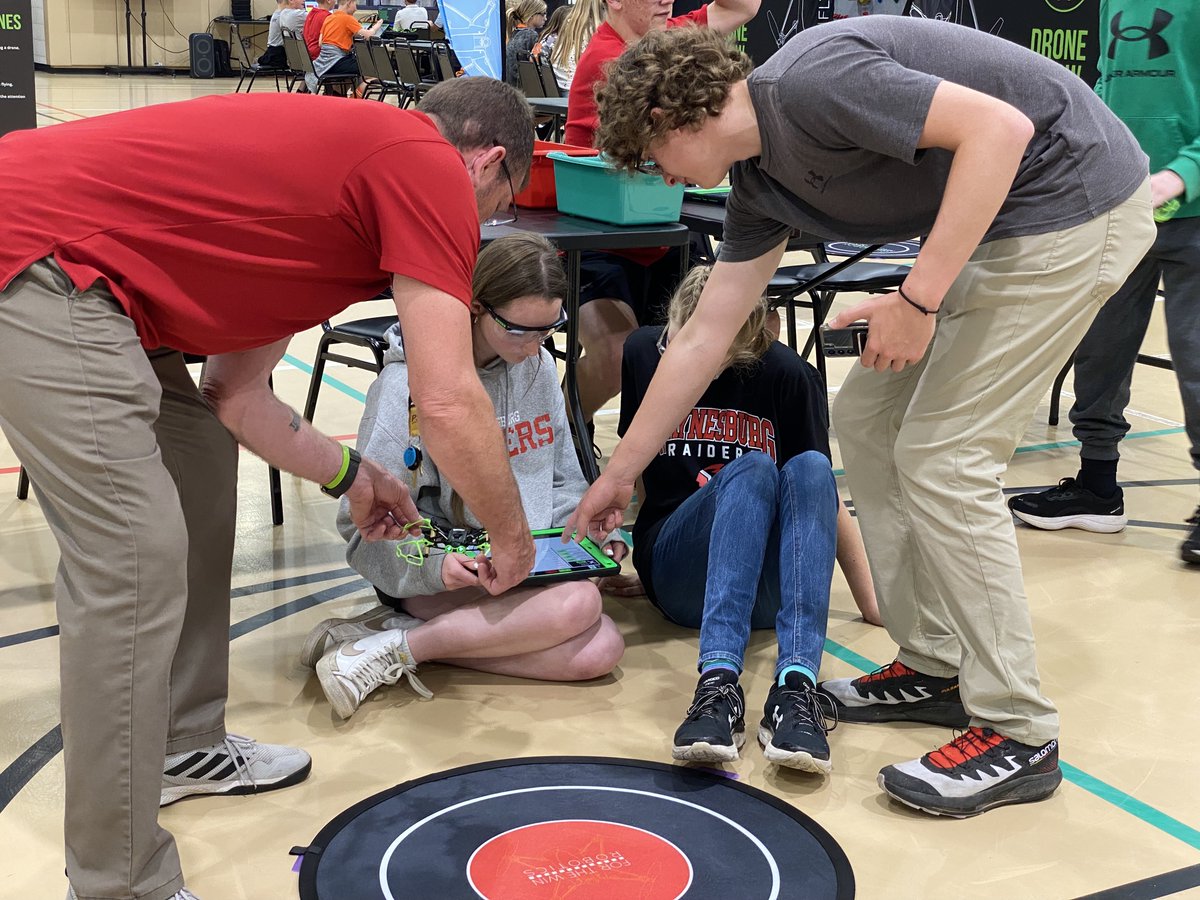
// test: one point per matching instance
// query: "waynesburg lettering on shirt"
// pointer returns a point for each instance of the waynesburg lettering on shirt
(524, 435)
(720, 434)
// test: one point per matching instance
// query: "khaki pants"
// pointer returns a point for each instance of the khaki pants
(924, 450)
(137, 480)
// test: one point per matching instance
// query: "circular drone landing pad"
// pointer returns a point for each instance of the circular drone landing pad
(574, 828)
(894, 250)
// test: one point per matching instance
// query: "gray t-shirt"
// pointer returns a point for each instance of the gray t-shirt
(841, 108)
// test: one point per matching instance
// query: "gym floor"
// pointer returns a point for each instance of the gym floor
(1111, 612)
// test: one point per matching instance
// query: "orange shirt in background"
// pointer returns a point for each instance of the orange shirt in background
(339, 29)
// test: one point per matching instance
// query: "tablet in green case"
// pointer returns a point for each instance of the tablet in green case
(557, 561)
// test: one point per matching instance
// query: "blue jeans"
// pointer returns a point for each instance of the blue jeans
(754, 546)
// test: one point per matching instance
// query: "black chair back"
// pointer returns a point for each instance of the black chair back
(549, 82)
(441, 56)
(529, 78)
(406, 64)
(296, 51)
(365, 60)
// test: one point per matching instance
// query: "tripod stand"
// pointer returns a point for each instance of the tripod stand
(129, 68)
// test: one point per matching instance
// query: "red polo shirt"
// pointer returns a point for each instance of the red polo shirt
(226, 223)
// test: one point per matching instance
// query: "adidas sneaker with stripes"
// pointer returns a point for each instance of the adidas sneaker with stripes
(237, 765)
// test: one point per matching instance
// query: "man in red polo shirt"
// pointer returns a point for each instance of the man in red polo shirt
(620, 291)
(130, 237)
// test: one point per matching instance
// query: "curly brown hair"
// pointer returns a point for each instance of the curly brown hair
(669, 79)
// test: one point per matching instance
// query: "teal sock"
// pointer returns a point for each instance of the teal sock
(720, 664)
(800, 670)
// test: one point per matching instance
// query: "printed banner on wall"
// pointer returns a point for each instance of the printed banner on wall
(475, 31)
(17, 108)
(1066, 31)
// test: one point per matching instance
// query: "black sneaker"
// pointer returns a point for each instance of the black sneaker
(714, 728)
(795, 721)
(976, 771)
(1070, 505)
(1189, 550)
(896, 693)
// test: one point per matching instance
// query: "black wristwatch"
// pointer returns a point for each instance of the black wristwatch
(345, 476)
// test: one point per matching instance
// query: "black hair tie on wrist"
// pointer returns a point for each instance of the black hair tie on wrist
(913, 303)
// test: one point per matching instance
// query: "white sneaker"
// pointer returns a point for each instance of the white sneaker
(184, 894)
(349, 672)
(338, 631)
(237, 765)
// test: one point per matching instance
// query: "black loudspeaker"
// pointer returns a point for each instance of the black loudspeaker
(240, 9)
(203, 53)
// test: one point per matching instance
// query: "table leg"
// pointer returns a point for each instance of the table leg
(583, 444)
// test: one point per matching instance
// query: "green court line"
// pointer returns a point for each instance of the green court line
(1155, 818)
(1132, 805)
(328, 379)
(1056, 445)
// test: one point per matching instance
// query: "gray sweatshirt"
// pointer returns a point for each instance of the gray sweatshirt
(529, 406)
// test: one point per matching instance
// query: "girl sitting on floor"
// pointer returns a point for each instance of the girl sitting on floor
(438, 611)
(738, 527)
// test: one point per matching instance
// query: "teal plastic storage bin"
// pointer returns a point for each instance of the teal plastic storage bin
(591, 187)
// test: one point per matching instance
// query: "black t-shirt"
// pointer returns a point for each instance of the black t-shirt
(777, 406)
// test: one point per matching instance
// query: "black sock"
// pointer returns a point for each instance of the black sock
(1098, 475)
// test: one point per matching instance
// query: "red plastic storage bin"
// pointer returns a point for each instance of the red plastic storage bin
(540, 194)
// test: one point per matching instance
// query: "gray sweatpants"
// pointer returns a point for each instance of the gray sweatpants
(924, 450)
(1105, 360)
(137, 480)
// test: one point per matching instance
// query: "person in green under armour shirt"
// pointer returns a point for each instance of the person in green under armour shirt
(1149, 73)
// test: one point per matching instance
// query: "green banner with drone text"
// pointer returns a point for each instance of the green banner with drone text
(1066, 31)
(17, 108)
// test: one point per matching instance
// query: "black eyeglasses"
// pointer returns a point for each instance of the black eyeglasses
(541, 332)
(506, 218)
(649, 167)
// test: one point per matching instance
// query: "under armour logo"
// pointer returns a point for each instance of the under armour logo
(1153, 34)
(813, 180)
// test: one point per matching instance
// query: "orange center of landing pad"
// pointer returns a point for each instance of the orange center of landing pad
(579, 860)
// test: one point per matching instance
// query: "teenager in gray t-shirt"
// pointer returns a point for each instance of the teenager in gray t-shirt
(840, 114)
(1032, 201)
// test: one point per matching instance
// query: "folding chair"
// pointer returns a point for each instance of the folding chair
(529, 78)
(301, 62)
(550, 86)
(409, 73)
(366, 333)
(247, 66)
(385, 69)
(443, 65)
(792, 281)
(368, 70)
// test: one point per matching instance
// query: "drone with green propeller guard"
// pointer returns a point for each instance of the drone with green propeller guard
(469, 541)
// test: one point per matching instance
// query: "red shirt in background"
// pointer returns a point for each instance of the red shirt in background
(212, 239)
(312, 30)
(606, 45)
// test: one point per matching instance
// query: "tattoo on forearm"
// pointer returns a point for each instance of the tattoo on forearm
(295, 423)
